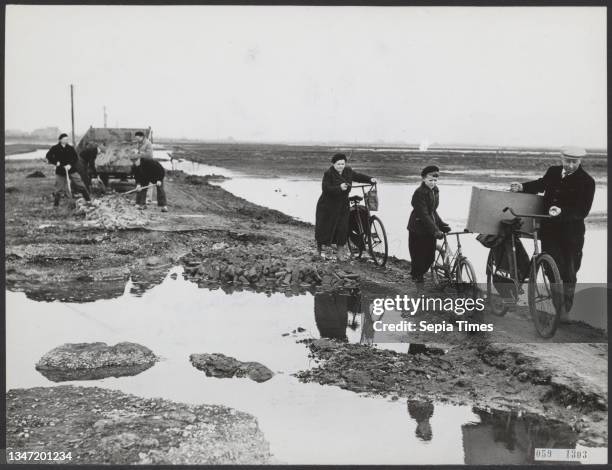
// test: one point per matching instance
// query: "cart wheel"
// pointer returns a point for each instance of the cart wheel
(377, 241)
(545, 295)
(495, 298)
(440, 274)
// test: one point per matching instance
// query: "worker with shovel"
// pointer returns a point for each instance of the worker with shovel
(67, 179)
(148, 172)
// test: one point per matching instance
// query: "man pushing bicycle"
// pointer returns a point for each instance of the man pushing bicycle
(571, 189)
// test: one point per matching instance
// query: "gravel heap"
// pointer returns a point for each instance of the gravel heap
(269, 267)
(111, 213)
(94, 355)
(94, 361)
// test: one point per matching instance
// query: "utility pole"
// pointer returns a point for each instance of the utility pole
(105, 117)
(72, 111)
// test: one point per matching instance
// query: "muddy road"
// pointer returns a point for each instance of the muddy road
(75, 255)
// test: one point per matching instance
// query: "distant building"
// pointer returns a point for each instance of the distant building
(45, 133)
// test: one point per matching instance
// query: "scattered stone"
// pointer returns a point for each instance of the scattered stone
(271, 267)
(154, 261)
(222, 366)
(36, 174)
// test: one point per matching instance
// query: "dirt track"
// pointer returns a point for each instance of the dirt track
(53, 254)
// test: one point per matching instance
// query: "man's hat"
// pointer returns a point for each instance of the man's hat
(429, 169)
(573, 152)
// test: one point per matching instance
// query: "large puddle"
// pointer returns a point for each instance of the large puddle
(304, 423)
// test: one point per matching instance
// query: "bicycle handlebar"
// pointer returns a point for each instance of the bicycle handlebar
(364, 185)
(533, 216)
(465, 231)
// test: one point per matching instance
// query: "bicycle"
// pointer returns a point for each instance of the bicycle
(366, 230)
(453, 268)
(545, 288)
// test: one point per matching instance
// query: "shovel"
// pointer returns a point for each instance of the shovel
(152, 185)
(72, 201)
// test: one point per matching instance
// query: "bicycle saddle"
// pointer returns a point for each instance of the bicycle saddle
(355, 198)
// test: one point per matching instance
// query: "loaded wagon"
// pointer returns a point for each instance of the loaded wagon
(114, 148)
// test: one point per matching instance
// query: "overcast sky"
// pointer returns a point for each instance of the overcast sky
(492, 76)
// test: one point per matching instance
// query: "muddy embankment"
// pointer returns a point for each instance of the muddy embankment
(226, 242)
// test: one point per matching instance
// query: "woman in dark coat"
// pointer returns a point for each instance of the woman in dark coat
(332, 217)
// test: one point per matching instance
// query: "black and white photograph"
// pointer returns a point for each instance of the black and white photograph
(305, 234)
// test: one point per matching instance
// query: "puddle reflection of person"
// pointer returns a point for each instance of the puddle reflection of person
(331, 311)
(505, 438)
(332, 215)
(422, 411)
(367, 328)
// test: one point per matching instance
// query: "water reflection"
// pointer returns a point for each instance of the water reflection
(85, 288)
(176, 318)
(332, 311)
(94, 374)
(421, 412)
(506, 438)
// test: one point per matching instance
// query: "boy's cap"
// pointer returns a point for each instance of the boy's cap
(429, 169)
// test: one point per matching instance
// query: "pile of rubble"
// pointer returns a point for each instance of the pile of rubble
(267, 267)
(111, 213)
(222, 366)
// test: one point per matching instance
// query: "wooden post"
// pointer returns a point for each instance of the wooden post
(105, 117)
(72, 112)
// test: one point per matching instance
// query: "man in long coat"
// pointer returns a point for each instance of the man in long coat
(332, 216)
(570, 188)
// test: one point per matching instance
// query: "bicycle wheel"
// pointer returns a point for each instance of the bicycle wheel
(356, 236)
(440, 271)
(545, 295)
(466, 278)
(377, 241)
(495, 280)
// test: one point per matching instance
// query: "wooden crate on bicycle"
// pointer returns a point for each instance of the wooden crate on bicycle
(486, 206)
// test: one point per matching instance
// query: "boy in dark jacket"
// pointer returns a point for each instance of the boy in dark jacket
(64, 157)
(425, 225)
(147, 171)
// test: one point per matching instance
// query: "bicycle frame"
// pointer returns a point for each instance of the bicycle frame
(362, 230)
(533, 235)
(454, 256)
